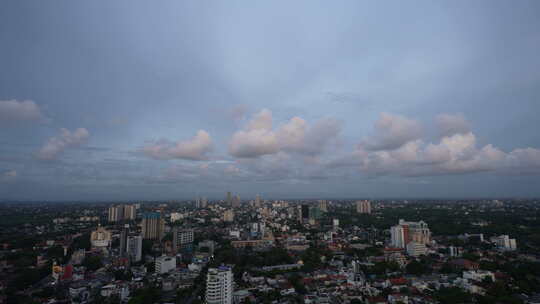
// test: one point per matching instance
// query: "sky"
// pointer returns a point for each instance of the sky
(161, 100)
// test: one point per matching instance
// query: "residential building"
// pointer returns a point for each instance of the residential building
(219, 286)
(228, 216)
(363, 207)
(134, 247)
(153, 226)
(182, 238)
(406, 232)
(416, 249)
(165, 264)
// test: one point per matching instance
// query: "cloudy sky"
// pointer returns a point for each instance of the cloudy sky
(121, 100)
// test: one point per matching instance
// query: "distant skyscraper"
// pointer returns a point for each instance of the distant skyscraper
(363, 207)
(219, 286)
(229, 199)
(130, 212)
(257, 201)
(236, 201)
(123, 240)
(323, 205)
(116, 213)
(153, 226)
(204, 202)
(304, 213)
(134, 247)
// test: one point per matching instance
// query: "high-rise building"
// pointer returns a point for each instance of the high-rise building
(258, 201)
(228, 216)
(363, 207)
(204, 202)
(304, 213)
(123, 240)
(182, 238)
(130, 212)
(134, 247)
(236, 201)
(335, 223)
(153, 226)
(229, 199)
(323, 205)
(116, 213)
(219, 286)
(406, 232)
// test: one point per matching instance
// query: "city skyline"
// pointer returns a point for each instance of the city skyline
(353, 100)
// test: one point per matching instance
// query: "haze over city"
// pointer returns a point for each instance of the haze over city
(132, 100)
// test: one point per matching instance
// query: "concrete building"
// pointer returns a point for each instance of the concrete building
(406, 232)
(363, 207)
(165, 264)
(182, 238)
(100, 238)
(504, 242)
(219, 286)
(228, 216)
(416, 249)
(153, 226)
(130, 212)
(116, 213)
(134, 247)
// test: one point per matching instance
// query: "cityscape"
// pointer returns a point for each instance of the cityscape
(271, 251)
(269, 152)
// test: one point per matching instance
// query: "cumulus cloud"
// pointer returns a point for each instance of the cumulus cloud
(58, 144)
(391, 132)
(455, 153)
(195, 148)
(450, 124)
(295, 136)
(13, 110)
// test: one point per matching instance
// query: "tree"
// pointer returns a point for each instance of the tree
(92, 262)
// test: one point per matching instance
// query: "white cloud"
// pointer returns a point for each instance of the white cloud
(295, 136)
(457, 153)
(450, 124)
(13, 110)
(195, 148)
(391, 132)
(57, 145)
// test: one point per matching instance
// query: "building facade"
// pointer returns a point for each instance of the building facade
(219, 286)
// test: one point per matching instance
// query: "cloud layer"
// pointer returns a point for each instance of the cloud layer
(13, 111)
(259, 137)
(67, 139)
(399, 151)
(196, 148)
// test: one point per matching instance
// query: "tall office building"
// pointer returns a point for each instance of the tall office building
(134, 247)
(204, 202)
(130, 212)
(116, 213)
(363, 207)
(406, 232)
(182, 238)
(123, 240)
(229, 199)
(236, 201)
(153, 226)
(257, 201)
(219, 286)
(323, 205)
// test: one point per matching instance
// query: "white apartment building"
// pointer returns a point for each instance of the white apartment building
(165, 264)
(219, 286)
